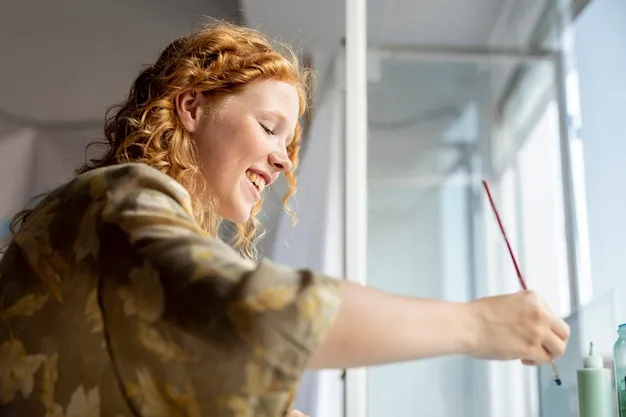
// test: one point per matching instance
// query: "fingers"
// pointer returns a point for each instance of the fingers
(549, 334)
(554, 346)
(560, 328)
(538, 355)
(519, 326)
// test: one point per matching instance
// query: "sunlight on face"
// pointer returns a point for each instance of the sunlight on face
(242, 145)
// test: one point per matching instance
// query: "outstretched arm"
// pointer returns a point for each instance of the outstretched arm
(374, 327)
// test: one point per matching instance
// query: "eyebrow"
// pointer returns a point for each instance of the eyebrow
(276, 113)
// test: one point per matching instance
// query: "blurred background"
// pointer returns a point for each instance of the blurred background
(528, 94)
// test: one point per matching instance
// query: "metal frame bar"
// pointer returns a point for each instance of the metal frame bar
(355, 385)
(569, 200)
(448, 53)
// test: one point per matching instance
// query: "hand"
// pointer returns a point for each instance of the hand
(517, 326)
(296, 413)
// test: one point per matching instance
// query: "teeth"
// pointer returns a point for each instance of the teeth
(257, 180)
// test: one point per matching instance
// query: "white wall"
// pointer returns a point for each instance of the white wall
(68, 62)
(70, 59)
(600, 46)
(16, 160)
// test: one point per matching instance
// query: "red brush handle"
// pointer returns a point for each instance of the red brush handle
(555, 371)
(506, 239)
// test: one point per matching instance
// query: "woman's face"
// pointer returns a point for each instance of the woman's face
(242, 141)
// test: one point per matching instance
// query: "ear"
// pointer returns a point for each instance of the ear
(190, 109)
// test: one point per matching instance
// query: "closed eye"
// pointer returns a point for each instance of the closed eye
(268, 130)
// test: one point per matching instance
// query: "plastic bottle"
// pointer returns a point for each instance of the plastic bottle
(594, 387)
(619, 361)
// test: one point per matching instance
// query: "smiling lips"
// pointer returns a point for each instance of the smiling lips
(257, 180)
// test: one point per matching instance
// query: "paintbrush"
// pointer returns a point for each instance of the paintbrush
(555, 371)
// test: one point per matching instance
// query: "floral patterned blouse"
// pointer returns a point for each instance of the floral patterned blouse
(114, 302)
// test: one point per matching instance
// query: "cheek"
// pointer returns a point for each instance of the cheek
(214, 145)
(252, 147)
(261, 148)
(226, 151)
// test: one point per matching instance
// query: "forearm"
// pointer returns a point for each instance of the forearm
(374, 327)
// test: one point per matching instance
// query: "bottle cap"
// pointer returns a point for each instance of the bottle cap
(593, 361)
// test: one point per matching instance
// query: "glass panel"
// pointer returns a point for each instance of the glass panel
(439, 124)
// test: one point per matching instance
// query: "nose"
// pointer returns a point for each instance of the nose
(280, 161)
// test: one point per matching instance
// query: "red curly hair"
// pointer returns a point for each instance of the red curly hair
(219, 59)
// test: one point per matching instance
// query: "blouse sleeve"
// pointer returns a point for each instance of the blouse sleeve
(265, 311)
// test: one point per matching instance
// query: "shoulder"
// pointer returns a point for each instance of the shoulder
(73, 209)
(132, 190)
(127, 179)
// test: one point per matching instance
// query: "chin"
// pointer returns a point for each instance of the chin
(238, 216)
(242, 219)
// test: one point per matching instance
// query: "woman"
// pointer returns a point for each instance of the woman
(118, 298)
